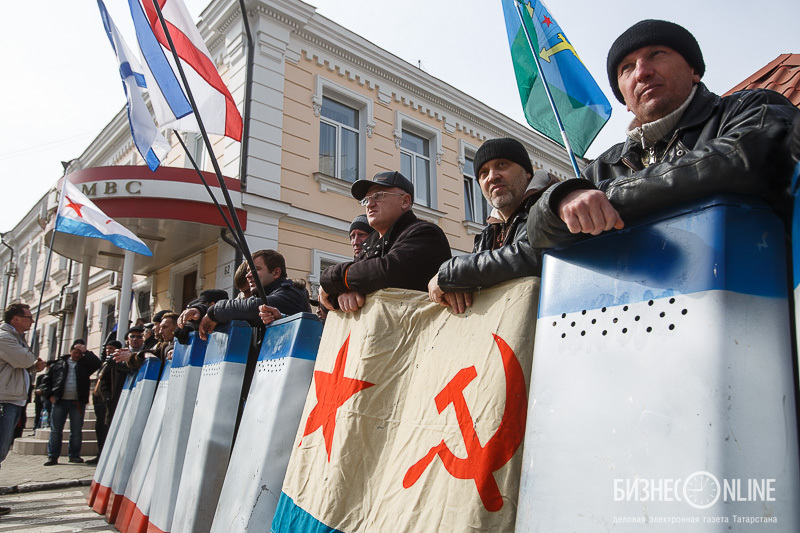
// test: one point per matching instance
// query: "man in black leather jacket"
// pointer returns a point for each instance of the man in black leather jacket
(501, 250)
(67, 386)
(685, 142)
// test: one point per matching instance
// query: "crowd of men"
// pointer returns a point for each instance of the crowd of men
(683, 143)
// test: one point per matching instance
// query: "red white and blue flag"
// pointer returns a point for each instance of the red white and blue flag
(214, 102)
(149, 142)
(79, 216)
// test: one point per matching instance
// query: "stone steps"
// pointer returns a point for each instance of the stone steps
(36, 444)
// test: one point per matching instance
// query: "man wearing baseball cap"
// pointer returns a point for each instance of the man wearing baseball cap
(683, 144)
(501, 251)
(403, 252)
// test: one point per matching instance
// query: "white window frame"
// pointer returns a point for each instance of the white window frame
(434, 137)
(196, 147)
(33, 258)
(317, 258)
(52, 341)
(466, 150)
(366, 125)
(23, 263)
(105, 327)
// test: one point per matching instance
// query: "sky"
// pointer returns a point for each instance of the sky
(62, 85)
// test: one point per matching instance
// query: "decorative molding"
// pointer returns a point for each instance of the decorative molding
(473, 228)
(329, 183)
(426, 213)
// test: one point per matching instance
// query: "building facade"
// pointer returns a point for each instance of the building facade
(322, 107)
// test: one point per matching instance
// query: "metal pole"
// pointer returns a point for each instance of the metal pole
(239, 233)
(567, 145)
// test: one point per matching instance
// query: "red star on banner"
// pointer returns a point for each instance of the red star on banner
(547, 21)
(333, 389)
(75, 206)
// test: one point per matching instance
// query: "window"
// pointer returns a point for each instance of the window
(34, 260)
(108, 311)
(143, 304)
(415, 164)
(476, 208)
(23, 260)
(196, 147)
(345, 123)
(52, 341)
(338, 140)
(320, 260)
(420, 153)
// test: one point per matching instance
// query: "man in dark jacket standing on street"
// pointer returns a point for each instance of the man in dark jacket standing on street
(67, 386)
(501, 251)
(403, 253)
(684, 143)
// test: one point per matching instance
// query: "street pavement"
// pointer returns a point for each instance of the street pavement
(51, 511)
(46, 499)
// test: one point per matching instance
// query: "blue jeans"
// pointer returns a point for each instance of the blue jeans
(9, 416)
(58, 417)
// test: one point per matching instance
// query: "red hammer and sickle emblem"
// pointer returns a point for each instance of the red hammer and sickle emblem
(481, 461)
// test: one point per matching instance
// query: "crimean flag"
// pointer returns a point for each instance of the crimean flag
(214, 101)
(148, 140)
(79, 216)
(582, 106)
(415, 417)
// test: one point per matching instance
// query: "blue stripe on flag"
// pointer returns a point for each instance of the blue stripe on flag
(68, 225)
(711, 246)
(154, 55)
(289, 517)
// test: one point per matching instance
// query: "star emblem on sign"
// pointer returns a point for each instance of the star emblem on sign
(333, 390)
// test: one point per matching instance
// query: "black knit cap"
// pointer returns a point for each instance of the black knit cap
(385, 179)
(502, 148)
(650, 33)
(361, 222)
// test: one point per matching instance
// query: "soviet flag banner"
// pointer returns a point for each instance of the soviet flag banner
(415, 417)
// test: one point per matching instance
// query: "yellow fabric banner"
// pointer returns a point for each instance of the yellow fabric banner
(415, 417)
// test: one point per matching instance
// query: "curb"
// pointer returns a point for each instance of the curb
(36, 486)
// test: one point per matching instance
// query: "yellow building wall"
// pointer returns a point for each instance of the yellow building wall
(299, 158)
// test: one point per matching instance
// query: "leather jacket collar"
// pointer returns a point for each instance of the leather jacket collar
(703, 105)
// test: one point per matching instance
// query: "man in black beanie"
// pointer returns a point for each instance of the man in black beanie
(501, 251)
(359, 231)
(684, 142)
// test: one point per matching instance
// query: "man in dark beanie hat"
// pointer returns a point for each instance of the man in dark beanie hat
(501, 251)
(684, 142)
(359, 231)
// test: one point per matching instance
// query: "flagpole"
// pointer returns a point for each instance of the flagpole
(567, 145)
(239, 233)
(208, 188)
(49, 253)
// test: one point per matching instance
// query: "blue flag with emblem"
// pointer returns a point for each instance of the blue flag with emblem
(581, 104)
